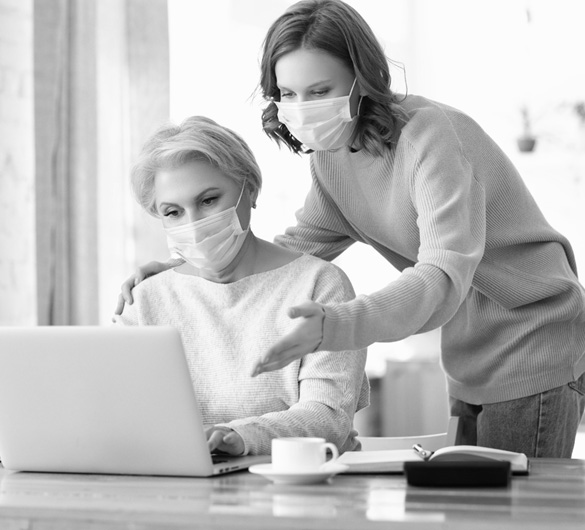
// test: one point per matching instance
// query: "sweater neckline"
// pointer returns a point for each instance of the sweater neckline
(251, 277)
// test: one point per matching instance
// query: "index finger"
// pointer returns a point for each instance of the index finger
(126, 289)
(273, 356)
(120, 305)
(214, 440)
(288, 342)
(277, 357)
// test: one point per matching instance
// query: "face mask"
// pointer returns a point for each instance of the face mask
(211, 243)
(320, 125)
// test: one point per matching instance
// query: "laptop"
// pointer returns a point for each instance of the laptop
(115, 400)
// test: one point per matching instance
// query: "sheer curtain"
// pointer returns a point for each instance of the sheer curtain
(17, 214)
(100, 77)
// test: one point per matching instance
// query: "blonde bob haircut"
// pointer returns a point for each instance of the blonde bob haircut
(196, 138)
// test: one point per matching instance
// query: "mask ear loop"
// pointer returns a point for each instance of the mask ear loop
(359, 106)
(240, 198)
(241, 193)
(353, 86)
(361, 97)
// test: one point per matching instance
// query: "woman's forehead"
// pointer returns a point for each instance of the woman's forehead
(193, 175)
(305, 67)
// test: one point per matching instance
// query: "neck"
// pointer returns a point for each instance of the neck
(242, 266)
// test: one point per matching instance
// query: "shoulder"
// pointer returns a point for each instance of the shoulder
(424, 111)
(149, 296)
(431, 123)
(159, 285)
(327, 278)
(308, 262)
(270, 256)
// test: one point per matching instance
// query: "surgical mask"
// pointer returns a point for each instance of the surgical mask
(209, 244)
(320, 125)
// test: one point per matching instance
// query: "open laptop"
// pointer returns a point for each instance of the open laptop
(89, 399)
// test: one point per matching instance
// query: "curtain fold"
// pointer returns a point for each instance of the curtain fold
(101, 85)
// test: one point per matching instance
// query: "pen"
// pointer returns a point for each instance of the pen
(423, 453)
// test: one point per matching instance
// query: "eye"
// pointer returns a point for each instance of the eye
(171, 213)
(209, 201)
(286, 94)
(320, 92)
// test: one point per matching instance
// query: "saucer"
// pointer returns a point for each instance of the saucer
(305, 477)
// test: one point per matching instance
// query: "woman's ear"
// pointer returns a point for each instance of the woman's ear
(253, 197)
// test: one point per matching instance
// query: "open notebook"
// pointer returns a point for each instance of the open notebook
(89, 399)
(392, 461)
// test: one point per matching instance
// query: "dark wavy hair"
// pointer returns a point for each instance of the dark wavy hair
(336, 28)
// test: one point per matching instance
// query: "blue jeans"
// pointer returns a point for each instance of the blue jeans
(541, 426)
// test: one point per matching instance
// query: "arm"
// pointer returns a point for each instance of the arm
(218, 438)
(451, 220)
(320, 229)
(447, 224)
(331, 388)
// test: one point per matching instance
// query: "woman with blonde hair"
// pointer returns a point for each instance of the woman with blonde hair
(227, 294)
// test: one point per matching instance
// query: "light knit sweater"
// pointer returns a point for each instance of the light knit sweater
(447, 208)
(226, 327)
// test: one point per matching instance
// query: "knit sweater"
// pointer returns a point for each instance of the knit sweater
(449, 210)
(226, 327)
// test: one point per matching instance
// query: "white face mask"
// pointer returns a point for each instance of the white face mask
(320, 125)
(211, 243)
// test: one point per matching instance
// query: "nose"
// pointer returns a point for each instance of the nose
(301, 99)
(192, 215)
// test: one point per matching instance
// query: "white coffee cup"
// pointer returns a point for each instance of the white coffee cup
(301, 455)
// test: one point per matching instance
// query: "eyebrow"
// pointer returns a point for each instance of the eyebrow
(317, 83)
(195, 199)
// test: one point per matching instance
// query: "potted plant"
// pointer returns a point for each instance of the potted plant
(526, 141)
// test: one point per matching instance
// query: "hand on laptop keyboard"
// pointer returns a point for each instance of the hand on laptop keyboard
(225, 440)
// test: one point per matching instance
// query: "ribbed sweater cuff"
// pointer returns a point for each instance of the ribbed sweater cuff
(254, 442)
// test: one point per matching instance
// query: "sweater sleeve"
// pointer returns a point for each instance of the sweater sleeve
(332, 387)
(320, 229)
(450, 208)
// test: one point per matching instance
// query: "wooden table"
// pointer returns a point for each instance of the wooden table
(552, 497)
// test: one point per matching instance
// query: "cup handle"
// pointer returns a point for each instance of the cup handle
(334, 451)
